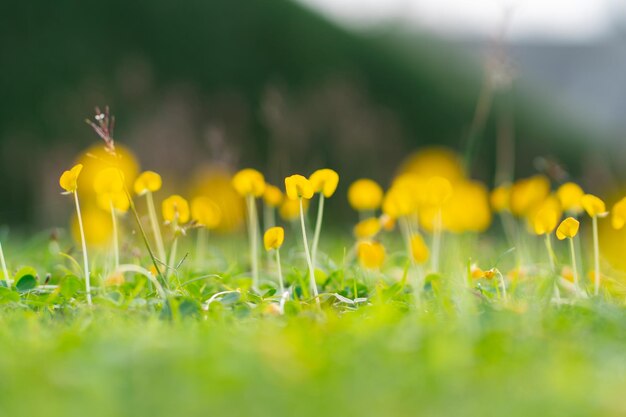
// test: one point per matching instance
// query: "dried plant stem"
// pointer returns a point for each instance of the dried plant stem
(5, 271)
(596, 256)
(318, 228)
(308, 255)
(116, 247)
(84, 247)
(253, 231)
(156, 230)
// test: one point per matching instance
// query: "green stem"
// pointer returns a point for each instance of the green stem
(5, 271)
(557, 293)
(171, 264)
(116, 248)
(84, 246)
(436, 242)
(280, 272)
(596, 256)
(318, 228)
(574, 266)
(156, 229)
(201, 246)
(308, 255)
(252, 236)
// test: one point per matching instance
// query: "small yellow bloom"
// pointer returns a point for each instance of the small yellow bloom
(371, 254)
(528, 193)
(419, 250)
(367, 229)
(249, 182)
(148, 181)
(569, 195)
(175, 208)
(478, 273)
(109, 180)
(324, 181)
(206, 212)
(289, 210)
(365, 194)
(298, 187)
(438, 191)
(618, 214)
(545, 220)
(272, 196)
(387, 222)
(593, 205)
(68, 180)
(398, 202)
(567, 228)
(273, 238)
(500, 198)
(119, 201)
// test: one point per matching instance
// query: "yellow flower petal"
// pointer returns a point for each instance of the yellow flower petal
(206, 212)
(297, 186)
(367, 229)
(272, 196)
(419, 250)
(147, 181)
(570, 195)
(324, 181)
(69, 179)
(365, 194)
(593, 205)
(371, 254)
(249, 182)
(274, 238)
(568, 228)
(175, 208)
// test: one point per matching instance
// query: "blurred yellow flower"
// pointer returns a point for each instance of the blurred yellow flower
(367, 229)
(371, 254)
(273, 238)
(109, 187)
(570, 195)
(206, 212)
(148, 181)
(568, 228)
(528, 193)
(96, 158)
(593, 205)
(419, 250)
(289, 210)
(297, 186)
(119, 201)
(365, 194)
(545, 220)
(97, 225)
(324, 181)
(272, 196)
(438, 191)
(69, 179)
(398, 202)
(249, 182)
(468, 209)
(175, 209)
(618, 214)
(500, 198)
(434, 161)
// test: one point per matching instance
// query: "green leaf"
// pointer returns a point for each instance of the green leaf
(8, 296)
(70, 286)
(26, 283)
(188, 307)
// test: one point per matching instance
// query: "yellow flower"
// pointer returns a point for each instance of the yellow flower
(119, 201)
(206, 212)
(249, 182)
(500, 198)
(528, 193)
(274, 238)
(290, 209)
(109, 180)
(593, 205)
(435, 161)
(419, 250)
(478, 273)
(438, 191)
(367, 229)
(175, 208)
(365, 194)
(569, 195)
(324, 181)
(298, 187)
(468, 209)
(398, 202)
(546, 218)
(272, 195)
(618, 214)
(69, 179)
(567, 228)
(147, 181)
(371, 254)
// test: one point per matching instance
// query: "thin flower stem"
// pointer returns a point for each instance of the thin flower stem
(252, 236)
(503, 284)
(308, 255)
(596, 256)
(280, 272)
(171, 264)
(574, 265)
(318, 228)
(116, 248)
(84, 247)
(269, 220)
(156, 230)
(436, 242)
(557, 293)
(5, 271)
(405, 230)
(202, 235)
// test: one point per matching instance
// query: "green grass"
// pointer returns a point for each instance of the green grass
(449, 350)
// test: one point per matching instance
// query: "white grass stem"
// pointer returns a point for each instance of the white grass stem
(5, 270)
(596, 256)
(253, 225)
(116, 247)
(308, 255)
(84, 247)
(156, 229)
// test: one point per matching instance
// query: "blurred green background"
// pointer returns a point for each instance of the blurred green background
(265, 83)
